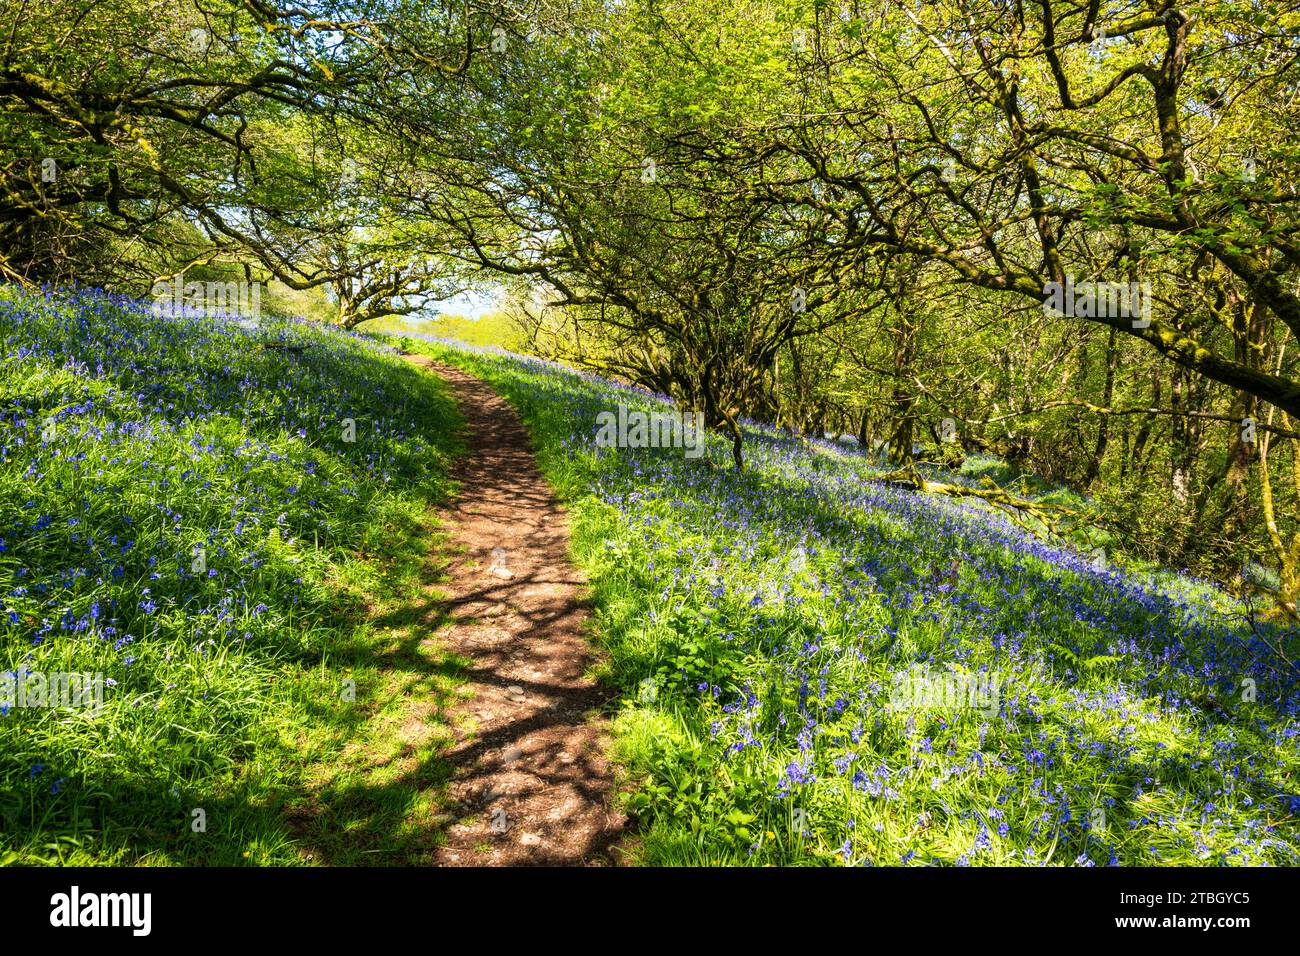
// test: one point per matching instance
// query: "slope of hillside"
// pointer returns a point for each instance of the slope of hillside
(186, 509)
(781, 639)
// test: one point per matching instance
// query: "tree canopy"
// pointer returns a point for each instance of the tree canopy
(1063, 233)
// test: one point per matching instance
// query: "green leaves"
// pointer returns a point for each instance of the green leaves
(693, 652)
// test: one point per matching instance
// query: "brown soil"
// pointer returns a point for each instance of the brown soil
(530, 784)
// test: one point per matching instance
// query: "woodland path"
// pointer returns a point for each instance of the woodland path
(530, 780)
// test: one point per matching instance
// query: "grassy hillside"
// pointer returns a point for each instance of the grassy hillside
(757, 625)
(184, 508)
(493, 329)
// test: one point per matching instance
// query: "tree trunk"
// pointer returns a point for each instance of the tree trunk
(1103, 427)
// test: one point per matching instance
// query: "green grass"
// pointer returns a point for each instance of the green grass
(288, 690)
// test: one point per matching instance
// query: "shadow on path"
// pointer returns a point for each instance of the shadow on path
(530, 779)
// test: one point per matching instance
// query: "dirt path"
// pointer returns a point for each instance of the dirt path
(530, 782)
